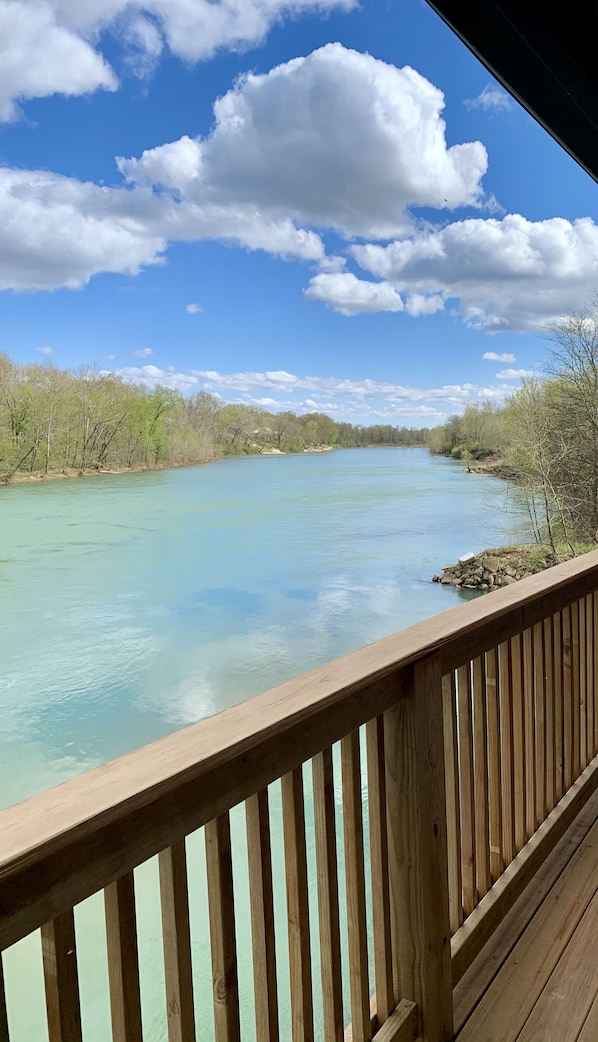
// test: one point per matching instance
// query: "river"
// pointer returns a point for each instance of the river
(133, 605)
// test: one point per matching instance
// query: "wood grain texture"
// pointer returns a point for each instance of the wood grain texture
(480, 778)
(259, 855)
(590, 677)
(176, 941)
(494, 766)
(576, 689)
(568, 776)
(476, 931)
(221, 903)
(519, 766)
(417, 850)
(539, 721)
(328, 897)
(583, 731)
(61, 980)
(549, 713)
(357, 951)
(380, 884)
(453, 807)
(466, 789)
(71, 841)
(529, 737)
(557, 676)
(595, 669)
(293, 817)
(400, 1026)
(506, 753)
(123, 963)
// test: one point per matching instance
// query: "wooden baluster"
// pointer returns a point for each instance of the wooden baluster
(262, 916)
(3, 1011)
(293, 814)
(328, 906)
(529, 743)
(225, 989)
(557, 673)
(590, 678)
(583, 709)
(176, 939)
(355, 886)
(568, 711)
(383, 974)
(506, 752)
(453, 809)
(61, 980)
(415, 785)
(466, 789)
(519, 774)
(123, 963)
(549, 712)
(480, 779)
(576, 689)
(539, 722)
(595, 670)
(494, 767)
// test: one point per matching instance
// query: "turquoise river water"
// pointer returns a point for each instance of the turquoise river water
(133, 605)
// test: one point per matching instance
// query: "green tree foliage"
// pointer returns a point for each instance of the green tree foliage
(54, 420)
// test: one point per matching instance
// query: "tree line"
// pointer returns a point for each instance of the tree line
(61, 421)
(546, 434)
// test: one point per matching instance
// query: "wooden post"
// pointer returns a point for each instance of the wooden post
(61, 980)
(418, 860)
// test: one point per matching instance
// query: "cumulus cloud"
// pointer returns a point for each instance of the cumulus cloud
(492, 98)
(509, 274)
(514, 374)
(335, 139)
(46, 351)
(40, 56)
(45, 44)
(143, 352)
(352, 296)
(152, 376)
(493, 356)
(194, 309)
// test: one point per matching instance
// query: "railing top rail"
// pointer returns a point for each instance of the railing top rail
(66, 843)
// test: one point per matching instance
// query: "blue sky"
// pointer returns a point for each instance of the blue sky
(301, 205)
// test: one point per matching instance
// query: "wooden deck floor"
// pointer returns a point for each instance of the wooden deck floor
(539, 977)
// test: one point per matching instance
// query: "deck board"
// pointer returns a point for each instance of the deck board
(553, 957)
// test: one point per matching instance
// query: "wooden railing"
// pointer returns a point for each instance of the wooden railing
(456, 752)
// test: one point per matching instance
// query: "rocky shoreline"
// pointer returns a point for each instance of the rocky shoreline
(491, 569)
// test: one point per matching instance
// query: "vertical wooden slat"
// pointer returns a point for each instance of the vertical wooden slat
(494, 766)
(519, 773)
(293, 813)
(557, 673)
(176, 940)
(529, 735)
(549, 712)
(506, 752)
(61, 980)
(328, 906)
(583, 732)
(262, 916)
(417, 848)
(355, 884)
(590, 679)
(225, 989)
(595, 667)
(576, 692)
(453, 810)
(123, 964)
(567, 699)
(3, 1011)
(480, 779)
(466, 789)
(539, 722)
(385, 997)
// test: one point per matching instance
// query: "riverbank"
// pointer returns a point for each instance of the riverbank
(491, 569)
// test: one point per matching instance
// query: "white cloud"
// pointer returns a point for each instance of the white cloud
(194, 309)
(47, 351)
(143, 352)
(108, 358)
(152, 376)
(509, 274)
(39, 56)
(352, 296)
(45, 44)
(514, 374)
(335, 139)
(493, 356)
(490, 99)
